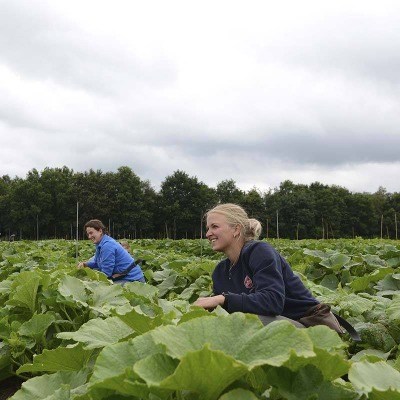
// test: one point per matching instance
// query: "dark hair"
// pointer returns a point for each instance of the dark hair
(95, 224)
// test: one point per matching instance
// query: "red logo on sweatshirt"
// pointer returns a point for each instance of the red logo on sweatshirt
(248, 283)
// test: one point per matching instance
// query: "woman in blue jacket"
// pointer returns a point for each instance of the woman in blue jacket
(254, 278)
(110, 257)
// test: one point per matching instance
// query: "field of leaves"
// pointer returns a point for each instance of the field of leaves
(71, 334)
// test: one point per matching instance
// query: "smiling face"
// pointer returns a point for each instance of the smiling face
(94, 235)
(221, 235)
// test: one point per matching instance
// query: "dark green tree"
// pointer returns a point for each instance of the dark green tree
(30, 206)
(5, 210)
(382, 216)
(330, 209)
(228, 192)
(253, 203)
(128, 202)
(359, 216)
(183, 199)
(292, 208)
(95, 192)
(57, 183)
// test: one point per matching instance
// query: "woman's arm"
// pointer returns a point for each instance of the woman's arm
(91, 263)
(210, 303)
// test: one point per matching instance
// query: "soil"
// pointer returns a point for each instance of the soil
(9, 386)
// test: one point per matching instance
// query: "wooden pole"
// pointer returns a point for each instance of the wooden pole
(201, 236)
(332, 234)
(277, 224)
(77, 229)
(382, 226)
(395, 223)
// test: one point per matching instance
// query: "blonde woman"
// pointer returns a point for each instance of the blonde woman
(254, 277)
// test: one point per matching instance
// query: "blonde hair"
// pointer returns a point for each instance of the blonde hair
(250, 228)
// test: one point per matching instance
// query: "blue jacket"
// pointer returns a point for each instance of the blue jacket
(262, 282)
(111, 258)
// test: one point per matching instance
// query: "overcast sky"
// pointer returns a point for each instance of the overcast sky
(254, 91)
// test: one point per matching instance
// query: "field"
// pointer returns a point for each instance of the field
(71, 334)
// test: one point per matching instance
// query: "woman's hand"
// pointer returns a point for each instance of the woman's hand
(81, 265)
(210, 302)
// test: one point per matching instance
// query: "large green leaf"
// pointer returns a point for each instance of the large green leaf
(335, 261)
(193, 334)
(73, 288)
(142, 290)
(325, 338)
(25, 288)
(155, 368)
(37, 326)
(140, 322)
(374, 261)
(370, 355)
(331, 365)
(393, 311)
(330, 281)
(168, 284)
(5, 357)
(254, 344)
(115, 359)
(274, 344)
(98, 333)
(43, 387)
(328, 348)
(316, 253)
(393, 262)
(60, 359)
(238, 393)
(307, 384)
(104, 294)
(113, 368)
(377, 377)
(206, 372)
(389, 285)
(106, 298)
(361, 283)
(355, 305)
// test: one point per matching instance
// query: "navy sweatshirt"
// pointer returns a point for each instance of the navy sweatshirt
(262, 282)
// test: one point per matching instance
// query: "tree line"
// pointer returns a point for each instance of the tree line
(53, 202)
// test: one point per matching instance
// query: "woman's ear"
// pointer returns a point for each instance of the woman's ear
(236, 232)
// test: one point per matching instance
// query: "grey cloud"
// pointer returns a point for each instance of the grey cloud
(40, 44)
(332, 149)
(357, 45)
(303, 100)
